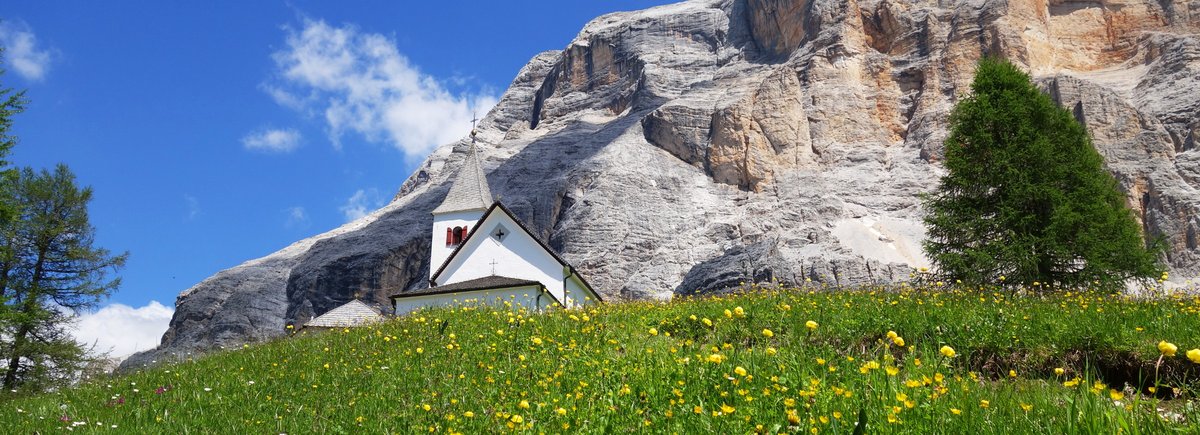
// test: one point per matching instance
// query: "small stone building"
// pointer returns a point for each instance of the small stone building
(351, 314)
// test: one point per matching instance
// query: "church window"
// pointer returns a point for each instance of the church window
(458, 235)
(499, 233)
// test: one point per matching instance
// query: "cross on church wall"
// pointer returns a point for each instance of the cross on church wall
(493, 266)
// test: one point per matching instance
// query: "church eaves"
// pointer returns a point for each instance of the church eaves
(470, 189)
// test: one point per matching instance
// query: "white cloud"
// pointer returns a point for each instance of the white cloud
(22, 51)
(361, 203)
(272, 140)
(296, 218)
(193, 206)
(122, 329)
(365, 85)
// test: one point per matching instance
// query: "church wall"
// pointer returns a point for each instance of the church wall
(576, 295)
(518, 256)
(438, 250)
(517, 297)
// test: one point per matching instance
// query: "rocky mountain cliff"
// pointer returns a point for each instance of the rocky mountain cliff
(699, 145)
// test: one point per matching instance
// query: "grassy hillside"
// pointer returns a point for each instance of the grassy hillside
(784, 360)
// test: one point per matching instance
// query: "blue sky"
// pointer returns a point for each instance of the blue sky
(218, 132)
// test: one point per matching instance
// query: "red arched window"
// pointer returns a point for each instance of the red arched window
(449, 236)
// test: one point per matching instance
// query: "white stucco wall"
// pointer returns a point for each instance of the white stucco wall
(518, 297)
(518, 256)
(577, 295)
(438, 250)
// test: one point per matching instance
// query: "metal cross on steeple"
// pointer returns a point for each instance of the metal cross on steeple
(474, 118)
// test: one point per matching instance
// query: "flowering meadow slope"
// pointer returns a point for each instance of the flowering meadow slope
(898, 360)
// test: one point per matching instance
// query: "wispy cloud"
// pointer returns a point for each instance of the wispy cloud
(363, 84)
(22, 51)
(272, 140)
(363, 202)
(193, 206)
(296, 218)
(122, 329)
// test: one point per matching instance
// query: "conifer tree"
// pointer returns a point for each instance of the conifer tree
(53, 271)
(11, 103)
(1026, 196)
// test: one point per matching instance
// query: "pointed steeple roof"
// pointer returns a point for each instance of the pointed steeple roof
(470, 189)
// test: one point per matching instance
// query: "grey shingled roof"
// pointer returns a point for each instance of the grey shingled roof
(470, 189)
(353, 313)
(485, 283)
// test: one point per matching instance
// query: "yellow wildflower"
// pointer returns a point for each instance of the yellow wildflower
(1167, 349)
(947, 351)
(811, 325)
(1194, 355)
(767, 333)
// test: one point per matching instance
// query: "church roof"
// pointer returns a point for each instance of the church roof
(470, 188)
(353, 313)
(485, 283)
(498, 206)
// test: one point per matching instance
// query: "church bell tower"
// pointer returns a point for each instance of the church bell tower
(468, 199)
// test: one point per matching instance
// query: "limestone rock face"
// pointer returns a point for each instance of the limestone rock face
(696, 146)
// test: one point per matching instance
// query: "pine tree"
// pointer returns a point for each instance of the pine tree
(1026, 198)
(11, 103)
(51, 271)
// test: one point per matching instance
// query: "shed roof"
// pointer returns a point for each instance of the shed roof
(353, 313)
(485, 283)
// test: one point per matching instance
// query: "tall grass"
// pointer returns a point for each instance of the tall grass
(956, 361)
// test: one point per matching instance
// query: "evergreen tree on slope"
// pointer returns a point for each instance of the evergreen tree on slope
(1027, 197)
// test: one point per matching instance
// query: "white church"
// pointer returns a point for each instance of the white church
(484, 254)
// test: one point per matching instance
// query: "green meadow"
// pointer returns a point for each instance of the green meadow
(812, 360)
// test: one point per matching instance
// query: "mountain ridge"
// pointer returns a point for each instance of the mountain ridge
(703, 144)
